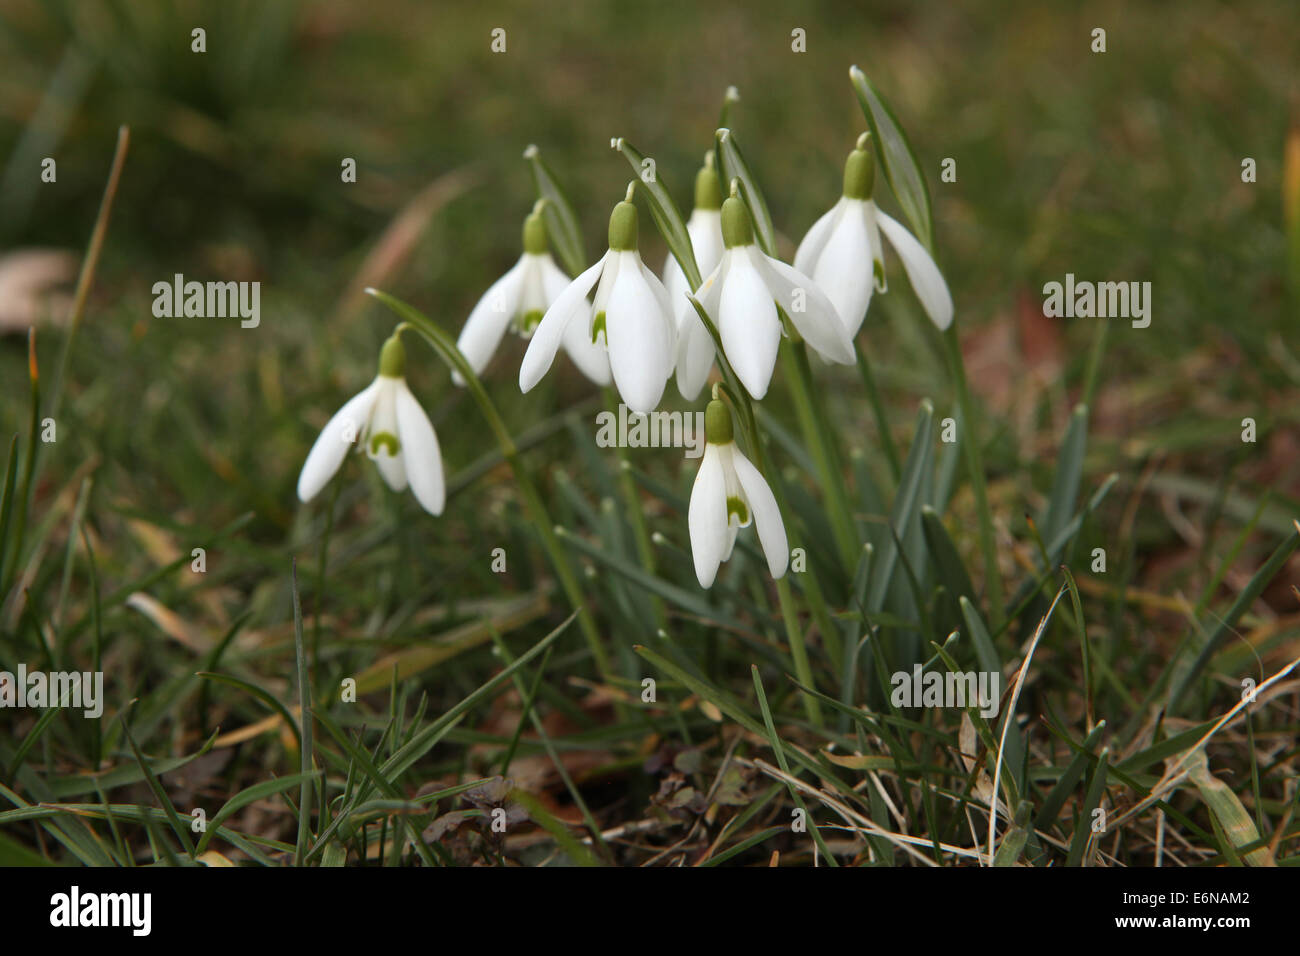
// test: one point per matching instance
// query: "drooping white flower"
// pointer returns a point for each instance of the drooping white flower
(741, 295)
(518, 300)
(729, 493)
(705, 229)
(844, 255)
(630, 319)
(392, 428)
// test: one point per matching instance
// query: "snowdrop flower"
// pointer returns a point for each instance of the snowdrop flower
(631, 318)
(518, 300)
(741, 295)
(705, 229)
(394, 431)
(728, 494)
(844, 255)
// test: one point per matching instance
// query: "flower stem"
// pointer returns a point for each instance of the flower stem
(975, 464)
(785, 597)
(537, 512)
(816, 434)
(635, 516)
(878, 408)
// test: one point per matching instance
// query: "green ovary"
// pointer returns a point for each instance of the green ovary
(386, 439)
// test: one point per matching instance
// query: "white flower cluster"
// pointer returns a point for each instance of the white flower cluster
(618, 323)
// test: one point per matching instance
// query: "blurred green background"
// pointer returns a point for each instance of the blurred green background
(1124, 166)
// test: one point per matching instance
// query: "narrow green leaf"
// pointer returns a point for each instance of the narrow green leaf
(1091, 801)
(667, 218)
(1069, 471)
(1225, 624)
(1060, 792)
(732, 165)
(1014, 840)
(897, 158)
(181, 831)
(906, 503)
(258, 791)
(562, 224)
(948, 566)
(779, 751)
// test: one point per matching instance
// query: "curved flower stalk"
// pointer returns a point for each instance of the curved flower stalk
(705, 229)
(844, 254)
(393, 429)
(742, 294)
(518, 300)
(630, 319)
(729, 493)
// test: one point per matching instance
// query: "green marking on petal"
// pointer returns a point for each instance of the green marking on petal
(531, 320)
(737, 507)
(878, 273)
(598, 327)
(388, 440)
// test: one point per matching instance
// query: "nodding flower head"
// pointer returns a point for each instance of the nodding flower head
(629, 318)
(518, 300)
(741, 295)
(844, 255)
(387, 421)
(729, 494)
(705, 230)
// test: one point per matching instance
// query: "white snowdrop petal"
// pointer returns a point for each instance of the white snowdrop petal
(748, 325)
(705, 230)
(844, 267)
(569, 306)
(335, 439)
(640, 338)
(707, 517)
(554, 279)
(392, 468)
(927, 281)
(674, 279)
(766, 515)
(591, 357)
(810, 249)
(421, 453)
(490, 318)
(695, 355)
(666, 315)
(817, 321)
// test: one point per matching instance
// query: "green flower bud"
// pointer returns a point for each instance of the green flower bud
(737, 230)
(392, 358)
(717, 423)
(623, 227)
